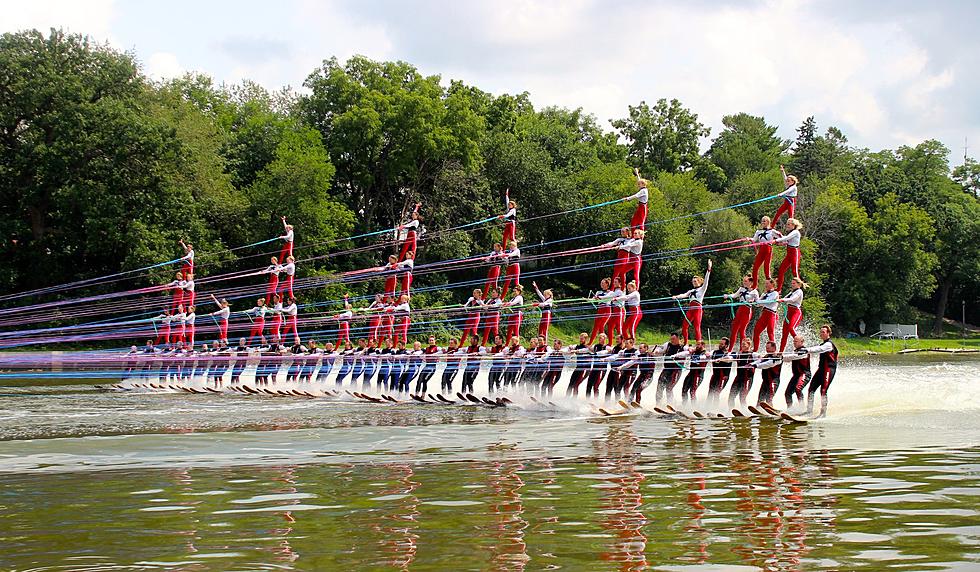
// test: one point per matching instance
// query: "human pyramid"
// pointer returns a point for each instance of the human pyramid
(491, 324)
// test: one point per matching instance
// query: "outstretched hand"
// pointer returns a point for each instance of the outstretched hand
(709, 264)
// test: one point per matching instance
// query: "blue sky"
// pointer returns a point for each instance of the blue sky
(887, 74)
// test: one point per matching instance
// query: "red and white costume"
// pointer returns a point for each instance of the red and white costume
(743, 314)
(516, 317)
(789, 204)
(695, 310)
(287, 247)
(639, 219)
(763, 253)
(633, 313)
(513, 257)
(472, 321)
(792, 259)
(290, 269)
(794, 315)
(767, 319)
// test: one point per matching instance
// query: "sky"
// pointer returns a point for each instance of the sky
(887, 74)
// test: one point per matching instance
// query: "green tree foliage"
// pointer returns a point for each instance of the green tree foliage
(817, 156)
(103, 170)
(389, 130)
(92, 174)
(747, 144)
(872, 265)
(662, 138)
(968, 176)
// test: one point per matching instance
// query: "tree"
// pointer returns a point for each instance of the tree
(91, 177)
(957, 217)
(875, 175)
(746, 144)
(664, 138)
(388, 130)
(873, 265)
(968, 176)
(816, 156)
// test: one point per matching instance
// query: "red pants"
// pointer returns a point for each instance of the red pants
(619, 268)
(471, 327)
(373, 326)
(287, 286)
(191, 330)
(410, 244)
(387, 327)
(634, 264)
(513, 273)
(767, 323)
(343, 334)
(178, 299)
(223, 330)
(793, 317)
(258, 329)
(287, 251)
(390, 283)
(187, 268)
(406, 283)
(271, 290)
(163, 336)
(788, 207)
(743, 315)
(291, 327)
(763, 259)
(692, 318)
(277, 328)
(510, 233)
(790, 262)
(601, 319)
(491, 326)
(493, 274)
(633, 316)
(514, 325)
(178, 336)
(615, 324)
(639, 219)
(401, 334)
(545, 324)
(189, 298)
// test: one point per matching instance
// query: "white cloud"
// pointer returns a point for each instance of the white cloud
(91, 17)
(882, 77)
(163, 65)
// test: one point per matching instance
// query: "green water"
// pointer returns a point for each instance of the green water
(93, 481)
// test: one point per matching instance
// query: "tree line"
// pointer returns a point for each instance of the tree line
(103, 170)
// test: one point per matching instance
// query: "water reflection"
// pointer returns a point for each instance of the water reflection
(622, 500)
(746, 493)
(508, 550)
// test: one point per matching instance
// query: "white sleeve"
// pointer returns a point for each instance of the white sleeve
(820, 349)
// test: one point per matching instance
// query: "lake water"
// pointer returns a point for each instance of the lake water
(125, 481)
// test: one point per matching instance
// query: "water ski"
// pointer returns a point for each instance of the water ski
(698, 414)
(770, 409)
(737, 413)
(443, 399)
(755, 411)
(787, 417)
